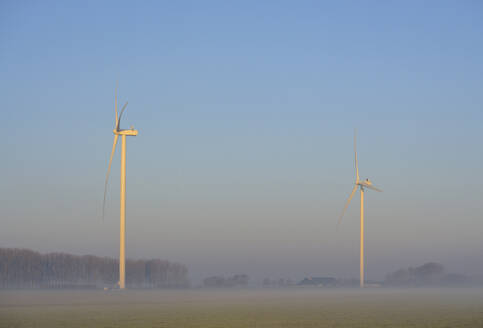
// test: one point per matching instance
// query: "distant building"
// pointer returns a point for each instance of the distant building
(318, 281)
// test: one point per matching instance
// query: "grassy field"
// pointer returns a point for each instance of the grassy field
(244, 308)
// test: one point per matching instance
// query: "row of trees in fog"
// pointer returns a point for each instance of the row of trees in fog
(238, 280)
(428, 274)
(23, 268)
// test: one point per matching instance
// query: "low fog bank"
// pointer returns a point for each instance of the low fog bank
(24, 269)
(430, 274)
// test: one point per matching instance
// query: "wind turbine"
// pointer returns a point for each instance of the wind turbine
(361, 184)
(123, 133)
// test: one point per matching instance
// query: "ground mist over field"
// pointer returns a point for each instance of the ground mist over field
(23, 268)
(292, 307)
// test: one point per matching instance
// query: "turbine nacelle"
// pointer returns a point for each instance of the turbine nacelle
(367, 184)
(127, 132)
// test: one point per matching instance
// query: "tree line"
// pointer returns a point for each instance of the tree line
(238, 280)
(429, 274)
(24, 268)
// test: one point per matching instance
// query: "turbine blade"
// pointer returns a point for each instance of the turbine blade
(120, 115)
(107, 174)
(115, 103)
(347, 204)
(372, 187)
(355, 155)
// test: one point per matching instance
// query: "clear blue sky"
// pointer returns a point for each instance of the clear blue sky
(246, 113)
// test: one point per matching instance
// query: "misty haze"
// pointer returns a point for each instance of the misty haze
(241, 164)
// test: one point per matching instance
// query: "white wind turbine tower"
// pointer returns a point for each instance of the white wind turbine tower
(361, 185)
(123, 133)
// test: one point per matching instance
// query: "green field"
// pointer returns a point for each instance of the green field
(244, 308)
